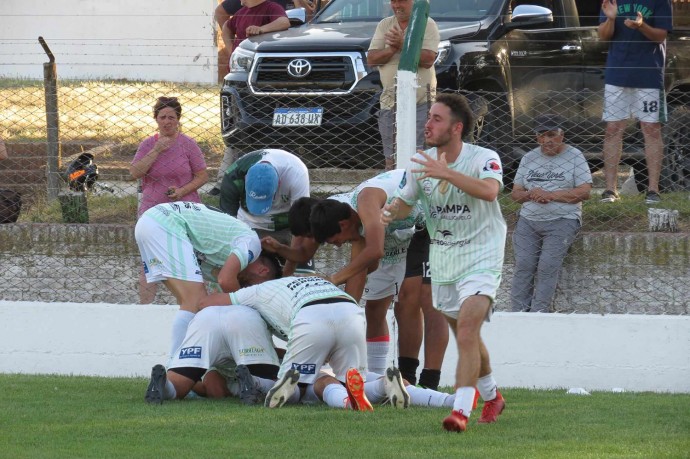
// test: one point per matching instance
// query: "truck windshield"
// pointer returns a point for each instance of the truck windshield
(375, 10)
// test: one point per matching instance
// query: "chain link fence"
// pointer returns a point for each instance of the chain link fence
(620, 262)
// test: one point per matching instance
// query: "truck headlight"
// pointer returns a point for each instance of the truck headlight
(241, 60)
(443, 52)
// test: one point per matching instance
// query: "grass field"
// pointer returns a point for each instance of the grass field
(630, 214)
(69, 417)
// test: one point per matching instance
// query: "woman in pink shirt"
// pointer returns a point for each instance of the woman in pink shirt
(171, 167)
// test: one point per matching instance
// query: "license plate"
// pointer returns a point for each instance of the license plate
(297, 116)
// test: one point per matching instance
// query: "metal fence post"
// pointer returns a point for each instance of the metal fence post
(52, 122)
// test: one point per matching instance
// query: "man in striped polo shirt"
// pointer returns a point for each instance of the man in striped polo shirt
(184, 243)
(458, 185)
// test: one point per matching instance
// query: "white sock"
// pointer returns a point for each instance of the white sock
(429, 397)
(335, 396)
(464, 399)
(264, 384)
(169, 391)
(377, 353)
(310, 396)
(375, 390)
(487, 387)
(296, 395)
(179, 329)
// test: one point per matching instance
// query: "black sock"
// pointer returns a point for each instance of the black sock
(408, 369)
(429, 379)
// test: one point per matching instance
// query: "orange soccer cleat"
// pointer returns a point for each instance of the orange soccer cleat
(492, 408)
(354, 383)
(456, 421)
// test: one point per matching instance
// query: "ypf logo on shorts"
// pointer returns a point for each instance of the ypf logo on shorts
(305, 368)
(190, 352)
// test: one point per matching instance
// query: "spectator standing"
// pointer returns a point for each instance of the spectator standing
(310, 6)
(254, 18)
(551, 183)
(634, 77)
(384, 52)
(170, 167)
(224, 11)
(458, 185)
(259, 189)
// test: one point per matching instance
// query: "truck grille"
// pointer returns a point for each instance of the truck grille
(334, 72)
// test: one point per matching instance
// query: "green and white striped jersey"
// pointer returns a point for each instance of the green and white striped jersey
(468, 234)
(213, 234)
(279, 300)
(399, 232)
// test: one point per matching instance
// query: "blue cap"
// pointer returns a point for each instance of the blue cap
(260, 186)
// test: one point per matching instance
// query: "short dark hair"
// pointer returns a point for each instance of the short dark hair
(460, 110)
(298, 216)
(272, 262)
(325, 218)
(167, 102)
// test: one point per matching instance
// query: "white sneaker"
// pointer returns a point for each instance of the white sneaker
(395, 388)
(282, 390)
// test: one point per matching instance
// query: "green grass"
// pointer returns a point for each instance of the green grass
(52, 416)
(629, 214)
(101, 111)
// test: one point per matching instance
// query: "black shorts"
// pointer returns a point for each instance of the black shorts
(417, 262)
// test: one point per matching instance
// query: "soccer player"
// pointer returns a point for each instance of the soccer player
(184, 243)
(458, 185)
(381, 251)
(321, 324)
(218, 338)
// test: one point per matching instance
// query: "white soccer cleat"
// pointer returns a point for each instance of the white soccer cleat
(396, 393)
(282, 390)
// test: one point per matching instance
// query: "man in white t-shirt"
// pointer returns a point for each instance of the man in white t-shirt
(458, 184)
(259, 189)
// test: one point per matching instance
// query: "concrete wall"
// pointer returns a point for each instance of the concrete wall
(604, 273)
(632, 352)
(170, 40)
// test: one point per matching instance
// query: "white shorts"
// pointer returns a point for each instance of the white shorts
(385, 281)
(331, 333)
(448, 298)
(220, 336)
(165, 254)
(644, 104)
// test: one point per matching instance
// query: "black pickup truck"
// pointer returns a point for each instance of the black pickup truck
(309, 89)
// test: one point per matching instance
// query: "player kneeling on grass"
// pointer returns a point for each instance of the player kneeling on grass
(218, 338)
(320, 323)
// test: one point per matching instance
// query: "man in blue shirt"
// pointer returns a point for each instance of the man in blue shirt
(634, 77)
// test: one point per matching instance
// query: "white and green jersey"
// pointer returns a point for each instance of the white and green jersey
(467, 234)
(214, 235)
(279, 300)
(399, 233)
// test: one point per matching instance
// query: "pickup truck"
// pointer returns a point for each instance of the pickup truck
(309, 89)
